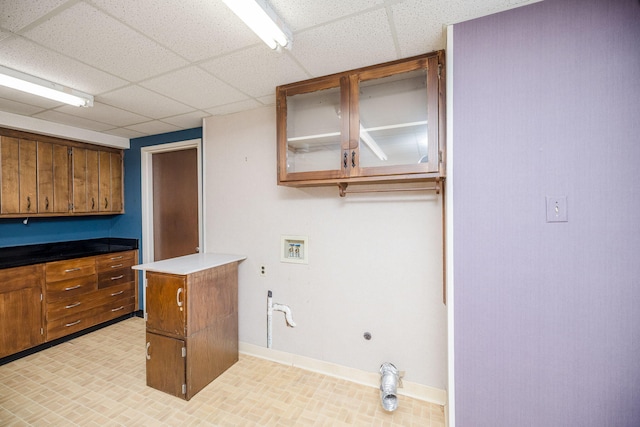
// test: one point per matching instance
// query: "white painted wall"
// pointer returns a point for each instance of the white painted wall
(375, 261)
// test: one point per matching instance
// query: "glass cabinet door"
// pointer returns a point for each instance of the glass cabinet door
(396, 134)
(313, 131)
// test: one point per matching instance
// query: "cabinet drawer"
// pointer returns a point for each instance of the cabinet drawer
(68, 325)
(65, 289)
(111, 298)
(70, 269)
(115, 261)
(115, 277)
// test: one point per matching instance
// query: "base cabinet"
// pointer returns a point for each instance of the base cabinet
(21, 325)
(192, 328)
(166, 364)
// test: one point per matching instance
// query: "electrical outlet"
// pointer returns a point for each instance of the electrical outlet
(263, 270)
(557, 209)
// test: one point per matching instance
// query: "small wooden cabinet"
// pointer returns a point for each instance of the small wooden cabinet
(192, 322)
(374, 124)
(21, 321)
(47, 176)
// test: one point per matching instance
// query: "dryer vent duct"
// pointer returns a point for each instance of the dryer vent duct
(389, 379)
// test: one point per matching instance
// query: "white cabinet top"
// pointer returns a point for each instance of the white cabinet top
(189, 263)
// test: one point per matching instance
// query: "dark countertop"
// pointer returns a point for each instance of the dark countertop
(16, 256)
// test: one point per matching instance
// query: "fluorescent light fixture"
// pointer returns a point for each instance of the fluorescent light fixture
(263, 21)
(372, 144)
(37, 86)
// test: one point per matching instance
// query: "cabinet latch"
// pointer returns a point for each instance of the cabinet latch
(184, 351)
(184, 389)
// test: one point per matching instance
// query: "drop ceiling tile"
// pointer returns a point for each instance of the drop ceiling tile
(267, 100)
(302, 14)
(4, 35)
(197, 29)
(105, 43)
(67, 119)
(16, 14)
(353, 42)
(144, 102)
(187, 121)
(14, 107)
(24, 55)
(104, 113)
(153, 128)
(234, 108)
(125, 133)
(256, 70)
(194, 87)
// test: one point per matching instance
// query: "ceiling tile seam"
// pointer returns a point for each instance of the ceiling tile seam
(44, 18)
(55, 110)
(394, 34)
(143, 34)
(338, 19)
(73, 60)
(193, 107)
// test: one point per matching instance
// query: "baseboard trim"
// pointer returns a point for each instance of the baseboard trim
(371, 379)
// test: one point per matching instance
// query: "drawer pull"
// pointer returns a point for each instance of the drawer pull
(117, 309)
(117, 266)
(70, 288)
(147, 351)
(117, 257)
(69, 270)
(117, 293)
(75, 304)
(178, 299)
(72, 323)
(118, 277)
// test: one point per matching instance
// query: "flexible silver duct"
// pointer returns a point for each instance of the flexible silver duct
(389, 378)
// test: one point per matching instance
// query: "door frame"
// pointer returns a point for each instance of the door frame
(146, 185)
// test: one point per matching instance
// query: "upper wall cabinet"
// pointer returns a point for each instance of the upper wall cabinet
(47, 176)
(376, 124)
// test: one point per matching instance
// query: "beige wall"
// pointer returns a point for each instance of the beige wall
(375, 261)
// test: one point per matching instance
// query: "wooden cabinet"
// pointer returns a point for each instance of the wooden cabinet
(85, 292)
(192, 327)
(375, 124)
(18, 168)
(47, 176)
(110, 182)
(21, 321)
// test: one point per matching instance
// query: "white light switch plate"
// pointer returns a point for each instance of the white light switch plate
(557, 209)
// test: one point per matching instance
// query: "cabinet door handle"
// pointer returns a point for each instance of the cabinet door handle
(117, 293)
(28, 203)
(353, 159)
(118, 277)
(93, 203)
(147, 351)
(70, 288)
(46, 203)
(69, 270)
(72, 323)
(117, 309)
(178, 300)
(75, 304)
(106, 203)
(116, 266)
(344, 159)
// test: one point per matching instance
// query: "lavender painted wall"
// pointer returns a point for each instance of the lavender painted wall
(547, 315)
